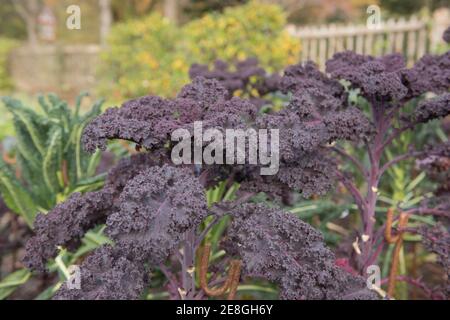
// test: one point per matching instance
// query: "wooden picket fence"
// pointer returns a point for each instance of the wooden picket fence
(407, 36)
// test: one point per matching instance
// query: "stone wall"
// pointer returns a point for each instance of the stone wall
(65, 70)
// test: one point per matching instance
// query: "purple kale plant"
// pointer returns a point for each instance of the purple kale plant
(157, 215)
(246, 79)
(153, 209)
(389, 88)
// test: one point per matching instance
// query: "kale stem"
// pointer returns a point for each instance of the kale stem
(188, 264)
(202, 236)
(375, 150)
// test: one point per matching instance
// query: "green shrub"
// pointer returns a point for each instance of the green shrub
(143, 59)
(6, 45)
(152, 56)
(254, 29)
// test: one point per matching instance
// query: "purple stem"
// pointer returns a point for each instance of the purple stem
(173, 284)
(188, 263)
(400, 158)
(351, 187)
(202, 236)
(355, 161)
(375, 150)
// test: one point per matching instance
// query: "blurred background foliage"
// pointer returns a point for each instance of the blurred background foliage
(151, 55)
(153, 42)
(142, 57)
(253, 29)
(6, 45)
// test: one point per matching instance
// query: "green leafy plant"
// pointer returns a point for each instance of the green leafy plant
(47, 162)
(12, 281)
(45, 166)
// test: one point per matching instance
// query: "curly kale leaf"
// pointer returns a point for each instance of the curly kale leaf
(107, 275)
(430, 109)
(317, 115)
(278, 246)
(67, 223)
(154, 211)
(377, 78)
(437, 240)
(430, 74)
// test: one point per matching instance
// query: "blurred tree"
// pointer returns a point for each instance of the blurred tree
(22, 15)
(171, 10)
(105, 19)
(11, 22)
(28, 10)
(178, 11)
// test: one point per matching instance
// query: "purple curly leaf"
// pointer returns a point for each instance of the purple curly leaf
(378, 78)
(65, 225)
(430, 74)
(278, 246)
(107, 275)
(430, 109)
(437, 240)
(156, 208)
